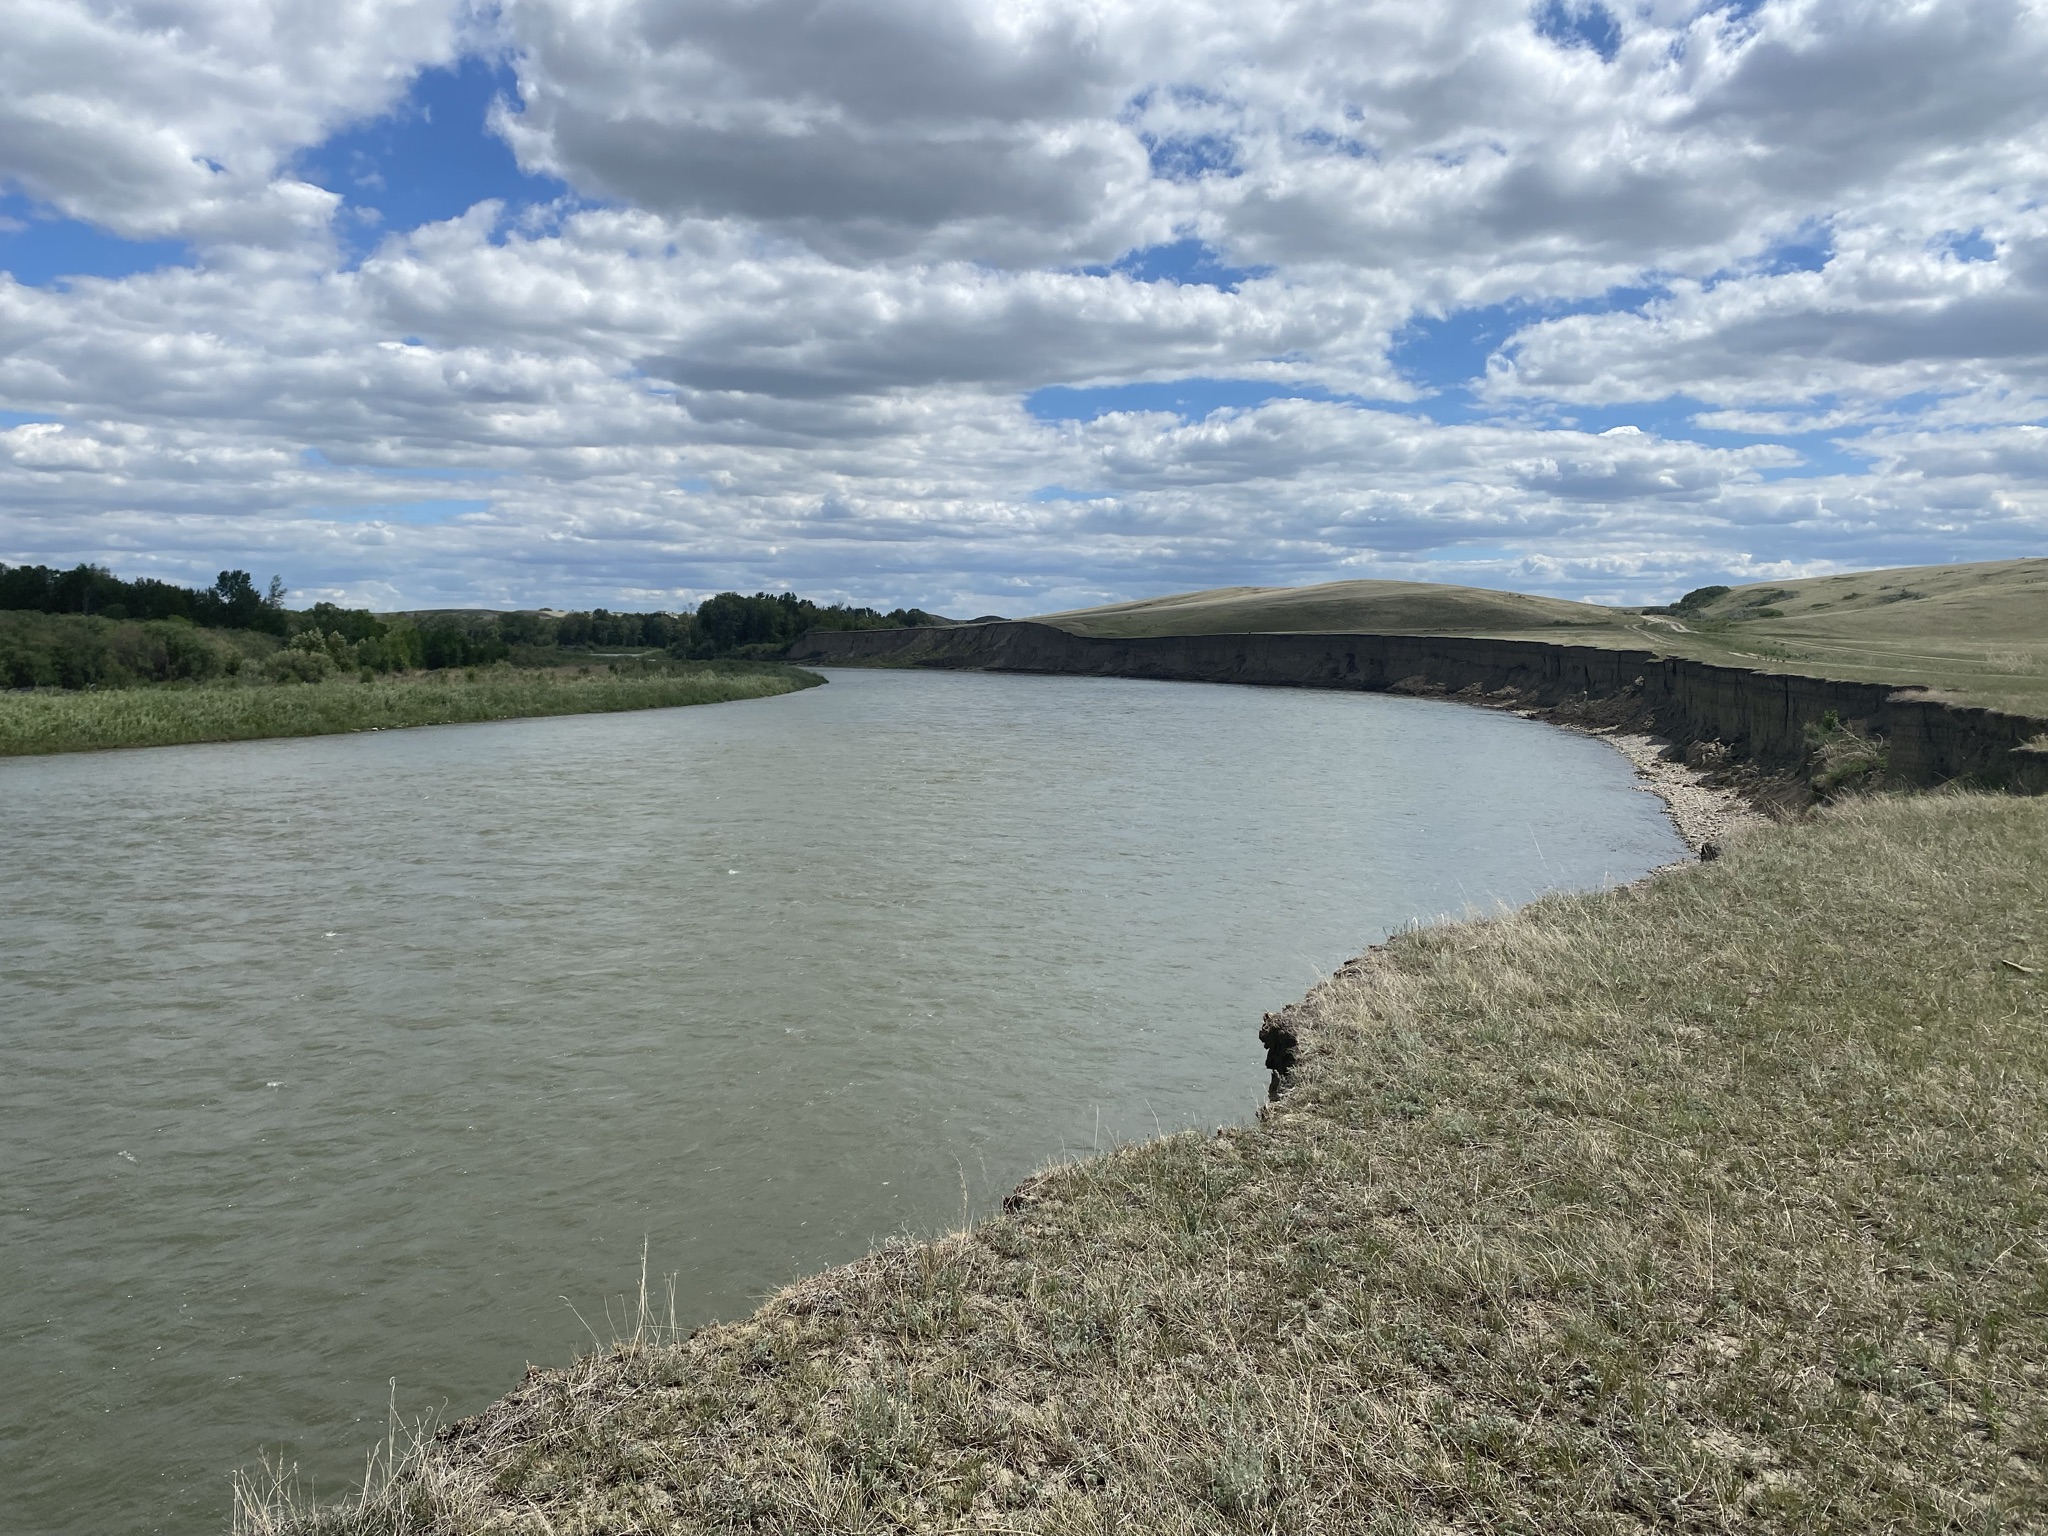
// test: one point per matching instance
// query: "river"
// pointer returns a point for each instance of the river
(329, 1061)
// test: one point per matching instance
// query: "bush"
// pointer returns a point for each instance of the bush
(295, 664)
(39, 650)
(1699, 597)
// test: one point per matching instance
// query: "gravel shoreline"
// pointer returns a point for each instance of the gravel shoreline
(1706, 815)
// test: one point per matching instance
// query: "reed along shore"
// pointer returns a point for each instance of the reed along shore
(42, 720)
(1717, 1202)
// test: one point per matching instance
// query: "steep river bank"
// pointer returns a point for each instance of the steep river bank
(1759, 715)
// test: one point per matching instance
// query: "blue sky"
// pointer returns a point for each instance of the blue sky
(40, 246)
(902, 303)
(431, 157)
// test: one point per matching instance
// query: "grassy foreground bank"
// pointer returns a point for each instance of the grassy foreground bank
(54, 720)
(1718, 1203)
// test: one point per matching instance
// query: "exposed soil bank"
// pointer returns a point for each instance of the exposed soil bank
(1762, 717)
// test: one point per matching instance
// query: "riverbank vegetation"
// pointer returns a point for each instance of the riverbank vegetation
(232, 602)
(95, 661)
(55, 720)
(86, 627)
(1713, 1203)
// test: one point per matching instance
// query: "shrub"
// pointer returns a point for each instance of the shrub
(1699, 597)
(39, 650)
(296, 665)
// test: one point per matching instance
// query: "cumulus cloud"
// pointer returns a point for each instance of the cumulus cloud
(819, 259)
(1368, 135)
(174, 118)
(864, 129)
(1894, 312)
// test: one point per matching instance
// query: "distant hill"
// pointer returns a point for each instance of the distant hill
(1975, 632)
(1364, 607)
(1990, 600)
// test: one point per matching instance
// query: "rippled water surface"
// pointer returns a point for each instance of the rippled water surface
(328, 1061)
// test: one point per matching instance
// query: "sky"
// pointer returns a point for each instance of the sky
(1010, 307)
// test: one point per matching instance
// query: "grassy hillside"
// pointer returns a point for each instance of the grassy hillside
(1378, 607)
(1717, 1203)
(1977, 632)
(53, 720)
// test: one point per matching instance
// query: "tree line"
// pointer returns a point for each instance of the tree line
(99, 630)
(232, 602)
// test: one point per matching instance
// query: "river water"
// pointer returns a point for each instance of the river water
(330, 1061)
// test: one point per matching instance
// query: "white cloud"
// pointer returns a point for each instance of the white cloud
(1893, 313)
(839, 244)
(173, 118)
(864, 129)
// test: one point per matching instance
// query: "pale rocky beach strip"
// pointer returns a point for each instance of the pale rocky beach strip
(1705, 814)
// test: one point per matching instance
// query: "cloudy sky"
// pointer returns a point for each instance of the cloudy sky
(1007, 305)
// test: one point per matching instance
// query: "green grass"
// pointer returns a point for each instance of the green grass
(53, 720)
(1977, 633)
(1714, 1204)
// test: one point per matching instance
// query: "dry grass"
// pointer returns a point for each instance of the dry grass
(1375, 607)
(1978, 632)
(53, 720)
(1713, 1204)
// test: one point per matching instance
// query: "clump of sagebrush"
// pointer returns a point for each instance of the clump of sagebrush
(1715, 1203)
(54, 721)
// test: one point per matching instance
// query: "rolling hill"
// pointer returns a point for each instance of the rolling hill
(1363, 607)
(1977, 633)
